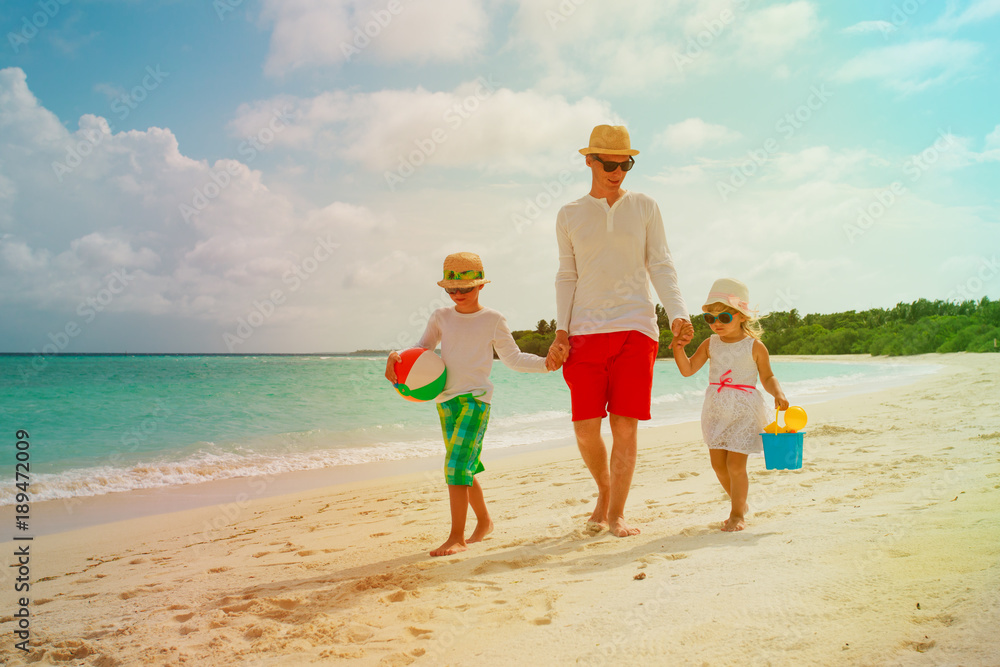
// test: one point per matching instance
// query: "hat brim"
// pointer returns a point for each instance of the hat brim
(462, 283)
(725, 303)
(593, 150)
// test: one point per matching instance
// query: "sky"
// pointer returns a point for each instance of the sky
(257, 176)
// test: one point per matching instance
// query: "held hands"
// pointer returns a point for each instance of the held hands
(558, 351)
(390, 366)
(683, 332)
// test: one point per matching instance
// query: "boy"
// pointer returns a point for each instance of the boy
(468, 334)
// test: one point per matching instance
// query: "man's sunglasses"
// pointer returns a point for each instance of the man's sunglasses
(610, 165)
(725, 318)
(458, 290)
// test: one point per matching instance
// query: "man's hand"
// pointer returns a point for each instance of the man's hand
(683, 332)
(558, 351)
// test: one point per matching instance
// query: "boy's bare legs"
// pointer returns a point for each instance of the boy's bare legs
(484, 524)
(458, 497)
(613, 480)
(739, 486)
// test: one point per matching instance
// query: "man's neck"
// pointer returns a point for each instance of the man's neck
(610, 195)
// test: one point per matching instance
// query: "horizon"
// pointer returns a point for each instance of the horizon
(264, 177)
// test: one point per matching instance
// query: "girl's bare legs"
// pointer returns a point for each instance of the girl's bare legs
(739, 486)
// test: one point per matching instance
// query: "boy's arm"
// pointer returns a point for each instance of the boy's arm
(428, 341)
(510, 354)
(689, 367)
(767, 379)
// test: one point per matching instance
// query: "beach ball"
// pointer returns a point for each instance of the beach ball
(420, 375)
(795, 418)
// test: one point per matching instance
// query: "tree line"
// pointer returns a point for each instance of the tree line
(908, 328)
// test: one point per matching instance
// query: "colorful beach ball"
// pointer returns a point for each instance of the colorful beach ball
(420, 375)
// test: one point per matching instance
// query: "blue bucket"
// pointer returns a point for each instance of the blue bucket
(783, 451)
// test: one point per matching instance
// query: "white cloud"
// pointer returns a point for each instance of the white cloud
(478, 124)
(694, 133)
(865, 27)
(976, 12)
(913, 67)
(771, 33)
(320, 33)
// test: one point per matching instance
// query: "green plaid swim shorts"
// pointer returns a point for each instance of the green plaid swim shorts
(463, 424)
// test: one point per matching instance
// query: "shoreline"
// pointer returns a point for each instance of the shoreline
(60, 515)
(883, 549)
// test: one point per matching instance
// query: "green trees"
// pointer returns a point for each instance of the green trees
(907, 328)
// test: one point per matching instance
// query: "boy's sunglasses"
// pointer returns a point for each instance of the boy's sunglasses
(725, 318)
(610, 165)
(458, 290)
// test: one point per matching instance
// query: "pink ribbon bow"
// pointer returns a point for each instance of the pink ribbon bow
(725, 381)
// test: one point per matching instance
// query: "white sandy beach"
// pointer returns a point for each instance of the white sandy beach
(883, 550)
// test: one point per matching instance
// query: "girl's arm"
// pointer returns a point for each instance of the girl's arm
(689, 367)
(767, 379)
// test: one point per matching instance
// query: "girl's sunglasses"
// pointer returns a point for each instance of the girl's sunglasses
(725, 318)
(611, 165)
(458, 290)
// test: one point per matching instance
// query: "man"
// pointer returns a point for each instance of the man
(611, 245)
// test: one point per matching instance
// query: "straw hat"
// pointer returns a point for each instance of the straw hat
(611, 140)
(463, 269)
(729, 292)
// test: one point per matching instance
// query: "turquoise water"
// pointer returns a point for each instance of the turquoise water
(101, 424)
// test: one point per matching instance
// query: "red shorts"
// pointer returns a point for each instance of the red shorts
(610, 372)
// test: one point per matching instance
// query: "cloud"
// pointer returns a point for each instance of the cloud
(319, 33)
(865, 27)
(977, 12)
(913, 67)
(85, 206)
(693, 133)
(769, 34)
(478, 124)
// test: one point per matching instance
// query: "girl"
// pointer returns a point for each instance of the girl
(734, 413)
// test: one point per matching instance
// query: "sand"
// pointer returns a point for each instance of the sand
(883, 550)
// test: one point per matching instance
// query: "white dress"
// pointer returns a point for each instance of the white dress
(734, 413)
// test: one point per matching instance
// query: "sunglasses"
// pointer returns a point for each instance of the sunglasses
(458, 290)
(725, 318)
(610, 165)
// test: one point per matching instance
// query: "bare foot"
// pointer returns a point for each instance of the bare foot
(621, 529)
(600, 515)
(481, 531)
(734, 523)
(450, 547)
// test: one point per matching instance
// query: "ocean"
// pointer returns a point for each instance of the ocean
(107, 424)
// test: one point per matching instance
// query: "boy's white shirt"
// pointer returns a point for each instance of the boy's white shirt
(608, 255)
(467, 344)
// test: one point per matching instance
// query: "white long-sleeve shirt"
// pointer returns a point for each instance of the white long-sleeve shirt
(467, 344)
(608, 255)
